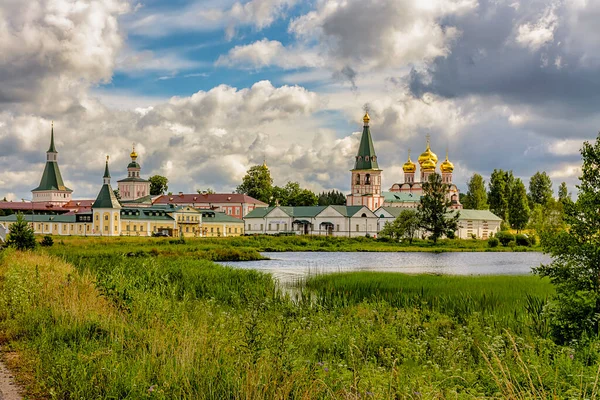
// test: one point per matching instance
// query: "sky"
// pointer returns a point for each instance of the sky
(206, 89)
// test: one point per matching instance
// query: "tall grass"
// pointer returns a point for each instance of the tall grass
(90, 324)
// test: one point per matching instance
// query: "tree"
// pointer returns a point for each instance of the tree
(434, 207)
(499, 193)
(205, 191)
(158, 185)
(117, 194)
(563, 194)
(575, 268)
(540, 189)
(547, 218)
(518, 206)
(20, 234)
(293, 195)
(332, 198)
(476, 197)
(257, 183)
(305, 198)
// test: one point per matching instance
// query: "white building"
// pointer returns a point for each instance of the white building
(347, 221)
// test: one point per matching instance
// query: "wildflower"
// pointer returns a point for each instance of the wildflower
(326, 369)
(320, 363)
(151, 389)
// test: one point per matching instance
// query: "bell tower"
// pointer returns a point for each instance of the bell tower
(366, 176)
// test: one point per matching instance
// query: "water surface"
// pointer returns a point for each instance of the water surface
(289, 266)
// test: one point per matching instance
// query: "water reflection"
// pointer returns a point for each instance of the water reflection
(287, 267)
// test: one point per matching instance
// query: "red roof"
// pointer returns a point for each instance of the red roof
(80, 205)
(215, 198)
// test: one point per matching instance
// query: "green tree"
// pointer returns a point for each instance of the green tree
(158, 185)
(257, 183)
(293, 195)
(207, 191)
(563, 194)
(518, 206)
(476, 197)
(547, 218)
(331, 198)
(540, 189)
(306, 198)
(434, 207)
(20, 234)
(117, 194)
(499, 193)
(575, 268)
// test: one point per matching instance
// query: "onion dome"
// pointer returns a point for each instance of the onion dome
(366, 118)
(428, 155)
(409, 166)
(133, 154)
(447, 166)
(428, 165)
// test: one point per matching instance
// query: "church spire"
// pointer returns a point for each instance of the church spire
(52, 149)
(106, 173)
(366, 157)
(106, 197)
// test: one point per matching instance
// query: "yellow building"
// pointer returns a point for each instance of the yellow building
(218, 224)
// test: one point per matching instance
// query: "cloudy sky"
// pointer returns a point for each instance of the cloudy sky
(208, 88)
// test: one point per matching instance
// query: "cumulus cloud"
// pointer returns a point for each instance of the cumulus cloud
(536, 34)
(265, 53)
(50, 48)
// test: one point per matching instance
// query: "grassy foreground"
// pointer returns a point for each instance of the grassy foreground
(87, 323)
(249, 244)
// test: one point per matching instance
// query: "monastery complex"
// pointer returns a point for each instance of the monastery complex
(53, 211)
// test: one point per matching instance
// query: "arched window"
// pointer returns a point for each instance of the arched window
(358, 179)
(366, 158)
(367, 179)
(364, 215)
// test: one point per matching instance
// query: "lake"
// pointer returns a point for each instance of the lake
(290, 266)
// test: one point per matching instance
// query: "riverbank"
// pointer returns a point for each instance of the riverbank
(249, 246)
(93, 324)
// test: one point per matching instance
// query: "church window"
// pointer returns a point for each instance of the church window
(367, 179)
(106, 217)
(358, 179)
(357, 228)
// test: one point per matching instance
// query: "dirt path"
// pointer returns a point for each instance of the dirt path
(8, 387)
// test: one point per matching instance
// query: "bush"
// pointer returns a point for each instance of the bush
(20, 235)
(451, 235)
(512, 244)
(505, 237)
(493, 242)
(47, 241)
(522, 240)
(532, 240)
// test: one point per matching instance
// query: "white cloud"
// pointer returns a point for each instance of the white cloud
(535, 35)
(265, 53)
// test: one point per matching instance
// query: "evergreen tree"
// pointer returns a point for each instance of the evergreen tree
(575, 269)
(434, 207)
(497, 199)
(333, 197)
(540, 189)
(518, 206)
(476, 197)
(563, 195)
(117, 194)
(158, 185)
(20, 234)
(257, 183)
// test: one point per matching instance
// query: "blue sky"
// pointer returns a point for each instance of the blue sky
(207, 89)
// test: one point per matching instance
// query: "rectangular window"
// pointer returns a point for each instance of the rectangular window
(357, 228)
(277, 227)
(212, 230)
(128, 228)
(269, 226)
(338, 227)
(106, 217)
(105, 228)
(249, 228)
(261, 227)
(135, 228)
(229, 230)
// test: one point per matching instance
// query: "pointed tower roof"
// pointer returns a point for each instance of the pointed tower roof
(52, 149)
(106, 197)
(366, 157)
(51, 178)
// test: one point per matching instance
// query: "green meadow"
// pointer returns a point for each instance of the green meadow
(133, 318)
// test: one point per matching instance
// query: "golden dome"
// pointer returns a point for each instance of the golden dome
(133, 154)
(447, 166)
(428, 155)
(366, 118)
(428, 165)
(409, 166)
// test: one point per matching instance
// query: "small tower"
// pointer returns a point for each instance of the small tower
(447, 168)
(427, 161)
(106, 209)
(409, 169)
(366, 175)
(133, 187)
(52, 189)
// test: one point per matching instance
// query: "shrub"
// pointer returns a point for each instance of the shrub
(512, 244)
(493, 242)
(505, 237)
(47, 241)
(522, 240)
(20, 235)
(532, 240)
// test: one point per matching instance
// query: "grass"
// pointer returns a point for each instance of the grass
(121, 321)
(261, 243)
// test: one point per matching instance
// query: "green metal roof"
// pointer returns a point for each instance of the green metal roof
(366, 151)
(142, 200)
(400, 197)
(485, 215)
(347, 211)
(145, 214)
(52, 149)
(41, 218)
(106, 197)
(259, 212)
(133, 164)
(214, 217)
(51, 178)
